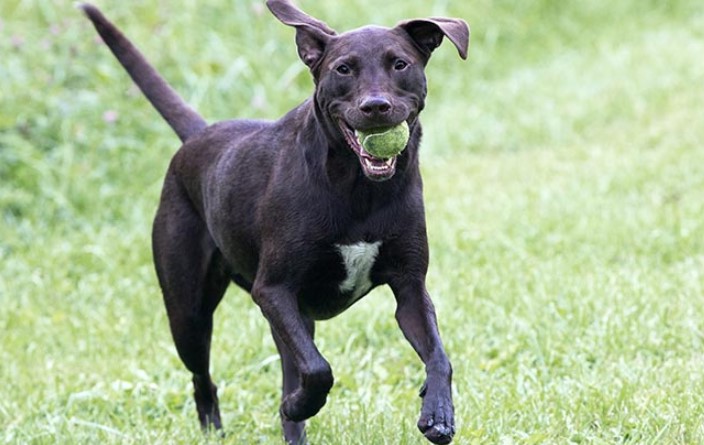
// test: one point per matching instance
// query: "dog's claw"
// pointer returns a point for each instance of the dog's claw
(440, 434)
(423, 390)
(437, 419)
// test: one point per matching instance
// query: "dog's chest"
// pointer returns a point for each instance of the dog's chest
(358, 260)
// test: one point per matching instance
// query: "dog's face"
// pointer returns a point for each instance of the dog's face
(372, 77)
(367, 79)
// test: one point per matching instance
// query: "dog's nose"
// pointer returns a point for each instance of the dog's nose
(375, 105)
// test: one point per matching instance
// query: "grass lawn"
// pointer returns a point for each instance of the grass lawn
(564, 183)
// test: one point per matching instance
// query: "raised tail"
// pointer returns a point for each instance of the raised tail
(180, 116)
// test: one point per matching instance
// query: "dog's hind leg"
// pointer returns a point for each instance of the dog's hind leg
(193, 280)
(294, 432)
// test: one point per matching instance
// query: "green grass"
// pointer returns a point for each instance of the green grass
(564, 173)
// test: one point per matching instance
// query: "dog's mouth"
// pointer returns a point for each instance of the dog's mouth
(376, 169)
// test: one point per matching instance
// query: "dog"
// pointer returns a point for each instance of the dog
(297, 213)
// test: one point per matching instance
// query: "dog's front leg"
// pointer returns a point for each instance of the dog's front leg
(416, 317)
(280, 307)
(294, 432)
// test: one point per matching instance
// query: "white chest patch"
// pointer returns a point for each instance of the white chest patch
(359, 260)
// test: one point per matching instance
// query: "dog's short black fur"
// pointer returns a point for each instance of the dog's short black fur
(298, 214)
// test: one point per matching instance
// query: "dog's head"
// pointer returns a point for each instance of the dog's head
(371, 77)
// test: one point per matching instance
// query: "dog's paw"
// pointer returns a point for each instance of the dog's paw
(300, 405)
(437, 419)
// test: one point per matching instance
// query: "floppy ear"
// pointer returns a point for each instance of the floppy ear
(312, 35)
(428, 33)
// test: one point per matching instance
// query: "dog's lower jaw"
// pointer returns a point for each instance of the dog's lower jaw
(375, 169)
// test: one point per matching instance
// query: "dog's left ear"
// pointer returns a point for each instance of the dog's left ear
(428, 33)
(312, 35)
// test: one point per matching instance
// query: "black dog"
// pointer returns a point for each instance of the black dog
(297, 213)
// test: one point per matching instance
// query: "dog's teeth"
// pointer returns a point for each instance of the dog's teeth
(378, 167)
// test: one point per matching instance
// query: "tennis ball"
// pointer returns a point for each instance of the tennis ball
(384, 143)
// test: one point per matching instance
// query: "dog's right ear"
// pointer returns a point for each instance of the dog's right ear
(312, 35)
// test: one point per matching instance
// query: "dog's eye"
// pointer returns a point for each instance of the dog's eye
(343, 69)
(400, 65)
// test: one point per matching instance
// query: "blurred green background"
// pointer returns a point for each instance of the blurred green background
(564, 173)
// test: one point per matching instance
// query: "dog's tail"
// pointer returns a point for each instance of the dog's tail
(180, 116)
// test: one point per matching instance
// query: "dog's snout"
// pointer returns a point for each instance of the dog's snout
(375, 105)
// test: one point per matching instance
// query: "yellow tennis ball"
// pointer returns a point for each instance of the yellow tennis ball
(385, 143)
